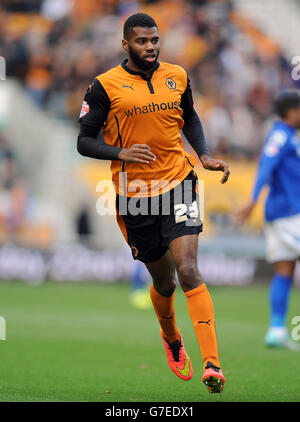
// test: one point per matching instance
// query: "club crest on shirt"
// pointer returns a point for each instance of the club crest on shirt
(171, 84)
(85, 108)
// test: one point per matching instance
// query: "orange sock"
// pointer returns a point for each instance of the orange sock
(164, 308)
(201, 310)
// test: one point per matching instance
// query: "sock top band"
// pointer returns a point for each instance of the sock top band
(197, 290)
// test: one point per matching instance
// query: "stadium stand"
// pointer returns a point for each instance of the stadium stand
(59, 49)
(54, 48)
(266, 13)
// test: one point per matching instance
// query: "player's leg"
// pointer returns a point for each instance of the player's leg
(277, 335)
(282, 250)
(162, 293)
(184, 250)
(200, 306)
(280, 292)
(143, 235)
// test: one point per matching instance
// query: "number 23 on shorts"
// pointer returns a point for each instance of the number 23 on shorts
(183, 212)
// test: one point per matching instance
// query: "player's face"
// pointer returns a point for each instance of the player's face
(143, 47)
(294, 117)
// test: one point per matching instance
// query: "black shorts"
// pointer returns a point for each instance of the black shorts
(150, 224)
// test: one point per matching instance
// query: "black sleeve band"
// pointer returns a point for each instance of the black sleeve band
(91, 144)
(192, 129)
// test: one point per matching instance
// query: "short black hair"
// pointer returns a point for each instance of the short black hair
(286, 101)
(138, 19)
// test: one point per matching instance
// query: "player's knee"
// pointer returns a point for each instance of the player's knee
(165, 286)
(189, 276)
(285, 268)
(187, 271)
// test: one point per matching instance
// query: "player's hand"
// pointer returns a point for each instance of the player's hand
(215, 165)
(137, 153)
(243, 213)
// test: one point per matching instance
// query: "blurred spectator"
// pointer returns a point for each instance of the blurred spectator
(56, 9)
(83, 225)
(12, 191)
(29, 6)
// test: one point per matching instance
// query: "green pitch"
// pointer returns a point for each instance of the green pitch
(86, 343)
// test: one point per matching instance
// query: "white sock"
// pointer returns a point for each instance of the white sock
(279, 331)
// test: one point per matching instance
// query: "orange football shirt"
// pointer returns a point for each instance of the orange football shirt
(147, 112)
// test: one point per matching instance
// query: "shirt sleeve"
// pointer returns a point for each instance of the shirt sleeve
(192, 129)
(95, 106)
(90, 143)
(273, 152)
(93, 115)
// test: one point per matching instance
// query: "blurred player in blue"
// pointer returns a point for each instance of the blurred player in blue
(279, 168)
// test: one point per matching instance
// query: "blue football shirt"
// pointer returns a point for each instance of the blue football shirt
(279, 168)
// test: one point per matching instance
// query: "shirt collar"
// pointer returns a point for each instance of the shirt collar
(132, 72)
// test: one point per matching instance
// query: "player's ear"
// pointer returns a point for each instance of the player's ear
(125, 45)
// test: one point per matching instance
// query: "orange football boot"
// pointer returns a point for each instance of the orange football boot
(178, 360)
(213, 378)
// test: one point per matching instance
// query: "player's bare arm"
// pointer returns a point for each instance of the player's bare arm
(244, 212)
